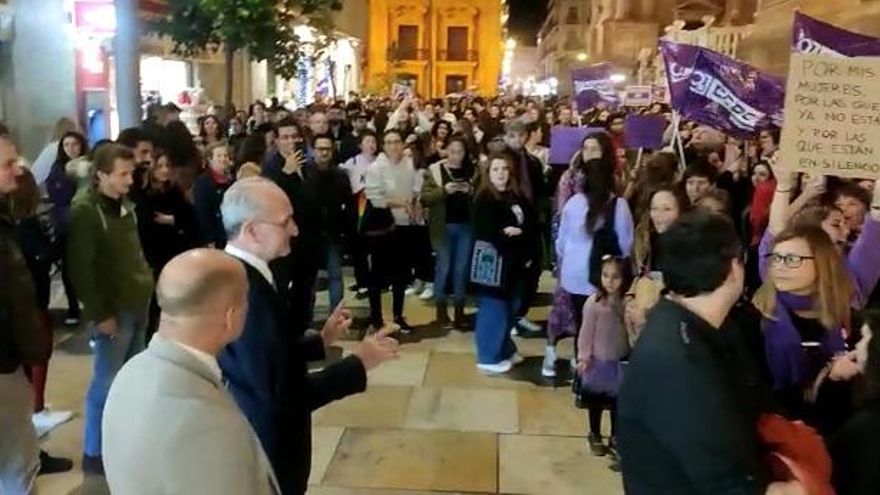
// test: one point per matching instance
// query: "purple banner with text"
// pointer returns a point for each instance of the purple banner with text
(814, 37)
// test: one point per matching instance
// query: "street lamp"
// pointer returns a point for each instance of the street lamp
(617, 78)
(582, 56)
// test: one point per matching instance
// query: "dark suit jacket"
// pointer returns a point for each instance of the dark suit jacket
(207, 197)
(267, 374)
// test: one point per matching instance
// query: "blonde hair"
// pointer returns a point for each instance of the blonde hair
(63, 126)
(833, 289)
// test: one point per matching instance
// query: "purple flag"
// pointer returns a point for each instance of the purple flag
(644, 131)
(592, 85)
(679, 61)
(820, 38)
(728, 95)
(566, 141)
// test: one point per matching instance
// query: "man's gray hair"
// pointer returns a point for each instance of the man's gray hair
(243, 201)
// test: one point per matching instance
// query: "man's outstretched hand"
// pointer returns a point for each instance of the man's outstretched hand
(336, 325)
(377, 348)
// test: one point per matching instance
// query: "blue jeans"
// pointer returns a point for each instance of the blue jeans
(334, 274)
(110, 353)
(495, 318)
(453, 254)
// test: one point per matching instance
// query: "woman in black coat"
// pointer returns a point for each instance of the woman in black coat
(504, 229)
(208, 191)
(166, 223)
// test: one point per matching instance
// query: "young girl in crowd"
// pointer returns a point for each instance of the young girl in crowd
(602, 344)
(505, 226)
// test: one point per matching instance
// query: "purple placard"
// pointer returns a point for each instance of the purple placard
(728, 95)
(820, 38)
(592, 85)
(566, 141)
(644, 131)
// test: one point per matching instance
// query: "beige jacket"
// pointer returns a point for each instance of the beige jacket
(170, 427)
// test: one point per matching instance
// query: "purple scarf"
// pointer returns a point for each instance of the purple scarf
(782, 343)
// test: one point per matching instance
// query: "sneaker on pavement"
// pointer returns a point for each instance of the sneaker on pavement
(362, 293)
(528, 325)
(402, 326)
(597, 447)
(495, 369)
(93, 465)
(548, 367)
(514, 331)
(416, 288)
(52, 465)
(516, 359)
(428, 293)
(46, 420)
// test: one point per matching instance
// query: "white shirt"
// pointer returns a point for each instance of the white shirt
(356, 168)
(256, 262)
(209, 360)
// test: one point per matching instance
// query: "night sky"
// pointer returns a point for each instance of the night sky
(526, 17)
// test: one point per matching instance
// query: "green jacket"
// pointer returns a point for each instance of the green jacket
(433, 197)
(106, 262)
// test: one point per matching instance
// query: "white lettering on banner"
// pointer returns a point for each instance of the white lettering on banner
(679, 72)
(813, 47)
(600, 86)
(742, 115)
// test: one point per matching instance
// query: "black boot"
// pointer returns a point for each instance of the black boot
(442, 318)
(461, 321)
(52, 465)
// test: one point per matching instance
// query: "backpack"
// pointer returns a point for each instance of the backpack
(605, 243)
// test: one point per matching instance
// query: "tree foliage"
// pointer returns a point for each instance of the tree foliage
(265, 28)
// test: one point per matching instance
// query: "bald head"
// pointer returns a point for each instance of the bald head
(199, 282)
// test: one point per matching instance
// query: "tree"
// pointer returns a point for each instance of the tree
(264, 28)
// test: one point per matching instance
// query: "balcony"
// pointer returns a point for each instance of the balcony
(407, 54)
(458, 56)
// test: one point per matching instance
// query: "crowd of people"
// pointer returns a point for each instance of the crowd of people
(706, 287)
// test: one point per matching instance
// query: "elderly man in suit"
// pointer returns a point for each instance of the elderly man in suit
(266, 368)
(169, 424)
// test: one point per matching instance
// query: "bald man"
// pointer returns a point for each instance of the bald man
(169, 425)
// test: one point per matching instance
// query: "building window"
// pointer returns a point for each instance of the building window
(408, 42)
(457, 43)
(456, 84)
(408, 79)
(572, 17)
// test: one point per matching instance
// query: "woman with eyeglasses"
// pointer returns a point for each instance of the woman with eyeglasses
(805, 309)
(862, 258)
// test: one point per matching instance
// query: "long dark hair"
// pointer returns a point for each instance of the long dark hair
(605, 144)
(598, 187)
(61, 157)
(221, 130)
(487, 188)
(468, 162)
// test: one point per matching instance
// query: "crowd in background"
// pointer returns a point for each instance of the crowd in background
(452, 199)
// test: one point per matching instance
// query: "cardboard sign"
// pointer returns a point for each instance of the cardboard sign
(832, 116)
(638, 96)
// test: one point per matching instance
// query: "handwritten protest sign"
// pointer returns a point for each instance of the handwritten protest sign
(832, 116)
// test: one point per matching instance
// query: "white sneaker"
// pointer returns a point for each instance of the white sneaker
(528, 325)
(428, 293)
(46, 420)
(416, 288)
(573, 363)
(516, 359)
(548, 368)
(514, 331)
(495, 369)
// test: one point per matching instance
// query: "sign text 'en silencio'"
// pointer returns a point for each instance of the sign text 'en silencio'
(832, 116)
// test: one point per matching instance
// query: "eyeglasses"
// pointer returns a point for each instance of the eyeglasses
(788, 259)
(281, 225)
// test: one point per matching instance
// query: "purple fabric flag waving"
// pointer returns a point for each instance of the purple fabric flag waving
(820, 38)
(592, 85)
(679, 60)
(725, 94)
